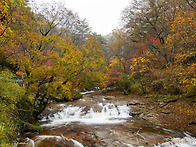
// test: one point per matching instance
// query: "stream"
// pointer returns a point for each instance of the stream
(95, 121)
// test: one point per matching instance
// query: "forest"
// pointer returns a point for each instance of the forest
(50, 54)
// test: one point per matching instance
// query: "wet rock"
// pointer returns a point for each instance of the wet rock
(130, 133)
(143, 115)
(109, 97)
(192, 123)
(50, 140)
(152, 117)
(134, 114)
(135, 102)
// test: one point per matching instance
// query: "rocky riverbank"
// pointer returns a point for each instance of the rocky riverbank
(171, 112)
(111, 119)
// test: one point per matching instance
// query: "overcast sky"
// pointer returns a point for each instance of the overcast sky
(103, 15)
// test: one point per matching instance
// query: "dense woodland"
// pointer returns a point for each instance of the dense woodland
(49, 54)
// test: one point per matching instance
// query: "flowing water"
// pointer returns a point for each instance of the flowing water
(97, 122)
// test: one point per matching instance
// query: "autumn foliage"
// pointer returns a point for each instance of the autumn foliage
(160, 37)
(45, 62)
(51, 54)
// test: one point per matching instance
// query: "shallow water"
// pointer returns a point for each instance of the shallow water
(109, 114)
(96, 121)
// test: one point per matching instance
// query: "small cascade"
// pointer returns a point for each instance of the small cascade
(52, 140)
(30, 142)
(110, 114)
(94, 121)
(187, 141)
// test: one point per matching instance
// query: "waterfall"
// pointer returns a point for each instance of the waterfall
(110, 114)
(40, 138)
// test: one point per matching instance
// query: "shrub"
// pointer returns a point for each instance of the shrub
(10, 94)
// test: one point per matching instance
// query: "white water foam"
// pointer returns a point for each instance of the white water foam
(110, 114)
(87, 92)
(187, 141)
(58, 138)
(76, 143)
(31, 142)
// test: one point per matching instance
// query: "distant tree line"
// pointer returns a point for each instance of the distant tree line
(154, 51)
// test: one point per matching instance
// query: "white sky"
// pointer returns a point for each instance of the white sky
(103, 15)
